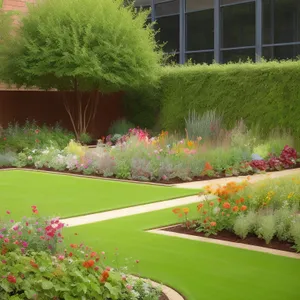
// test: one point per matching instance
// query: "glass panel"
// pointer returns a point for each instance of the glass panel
(200, 30)
(239, 25)
(238, 55)
(165, 7)
(194, 5)
(201, 58)
(168, 32)
(281, 21)
(281, 52)
(228, 2)
(142, 3)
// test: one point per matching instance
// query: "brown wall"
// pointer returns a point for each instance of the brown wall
(48, 107)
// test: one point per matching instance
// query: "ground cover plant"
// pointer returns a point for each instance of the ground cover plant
(198, 270)
(35, 264)
(268, 210)
(67, 196)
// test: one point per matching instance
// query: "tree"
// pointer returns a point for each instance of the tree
(85, 46)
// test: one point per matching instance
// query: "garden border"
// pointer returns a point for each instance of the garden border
(189, 184)
(223, 243)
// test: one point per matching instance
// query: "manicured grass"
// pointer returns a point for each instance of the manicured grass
(198, 270)
(66, 196)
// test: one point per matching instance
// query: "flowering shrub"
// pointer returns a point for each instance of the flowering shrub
(33, 266)
(266, 209)
(288, 156)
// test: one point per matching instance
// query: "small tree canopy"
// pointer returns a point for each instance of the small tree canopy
(81, 44)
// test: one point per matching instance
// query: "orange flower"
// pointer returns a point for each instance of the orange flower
(226, 205)
(237, 201)
(243, 208)
(180, 215)
(219, 200)
(235, 208)
(34, 265)
(186, 210)
(104, 276)
(213, 224)
(73, 246)
(208, 167)
(211, 203)
(242, 200)
(199, 206)
(176, 210)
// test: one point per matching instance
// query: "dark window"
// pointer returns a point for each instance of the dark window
(166, 7)
(200, 30)
(168, 32)
(173, 59)
(194, 5)
(281, 21)
(144, 3)
(201, 58)
(238, 55)
(239, 25)
(281, 52)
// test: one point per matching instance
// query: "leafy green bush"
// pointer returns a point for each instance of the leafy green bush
(244, 224)
(121, 127)
(16, 138)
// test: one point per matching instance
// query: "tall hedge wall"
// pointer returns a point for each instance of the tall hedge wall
(266, 93)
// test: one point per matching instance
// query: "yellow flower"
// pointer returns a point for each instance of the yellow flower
(190, 144)
(290, 195)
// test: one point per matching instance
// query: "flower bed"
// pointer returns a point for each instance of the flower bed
(264, 214)
(164, 158)
(35, 264)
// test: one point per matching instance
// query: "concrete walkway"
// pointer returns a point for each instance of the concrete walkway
(140, 209)
(254, 178)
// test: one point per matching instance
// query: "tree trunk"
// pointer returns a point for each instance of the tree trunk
(82, 110)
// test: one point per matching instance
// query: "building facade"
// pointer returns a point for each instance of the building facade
(226, 30)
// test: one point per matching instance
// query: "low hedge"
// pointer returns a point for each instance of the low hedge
(265, 94)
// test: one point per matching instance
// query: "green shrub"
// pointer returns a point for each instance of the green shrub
(266, 227)
(265, 94)
(244, 224)
(120, 127)
(295, 233)
(16, 138)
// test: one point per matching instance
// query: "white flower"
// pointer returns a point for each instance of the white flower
(216, 210)
(29, 157)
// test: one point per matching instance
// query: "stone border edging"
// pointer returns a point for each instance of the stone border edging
(168, 291)
(225, 243)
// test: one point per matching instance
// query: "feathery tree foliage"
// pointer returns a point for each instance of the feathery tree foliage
(87, 46)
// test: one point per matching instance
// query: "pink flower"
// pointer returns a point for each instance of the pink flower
(25, 244)
(6, 240)
(1, 236)
(12, 221)
(15, 228)
(61, 257)
(129, 287)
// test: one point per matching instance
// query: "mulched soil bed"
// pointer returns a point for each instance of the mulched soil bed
(163, 297)
(231, 237)
(171, 181)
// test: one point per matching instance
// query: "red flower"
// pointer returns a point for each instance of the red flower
(8, 212)
(37, 131)
(104, 276)
(4, 139)
(226, 205)
(37, 141)
(11, 279)
(93, 254)
(208, 167)
(88, 264)
(199, 206)
(70, 254)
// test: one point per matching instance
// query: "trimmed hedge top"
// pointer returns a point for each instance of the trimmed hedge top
(265, 94)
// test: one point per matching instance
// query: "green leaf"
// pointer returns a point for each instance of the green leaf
(5, 285)
(47, 285)
(30, 294)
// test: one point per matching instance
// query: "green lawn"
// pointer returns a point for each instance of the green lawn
(198, 270)
(66, 196)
